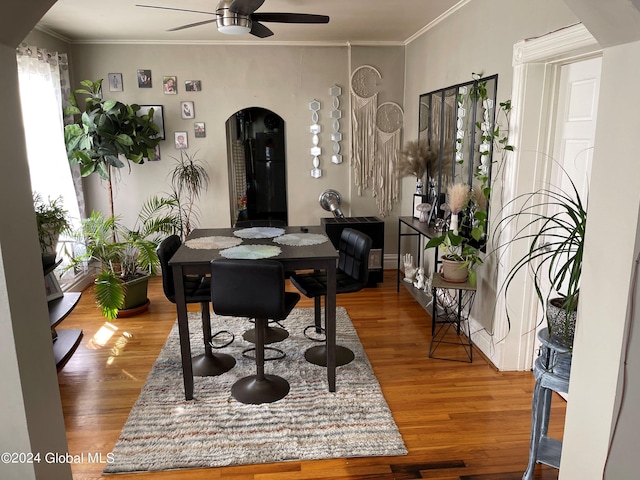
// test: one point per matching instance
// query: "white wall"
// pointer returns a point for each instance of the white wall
(614, 199)
(30, 410)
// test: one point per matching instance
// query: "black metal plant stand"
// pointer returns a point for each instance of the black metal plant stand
(451, 306)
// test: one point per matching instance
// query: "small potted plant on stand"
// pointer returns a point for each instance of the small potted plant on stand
(461, 243)
(51, 218)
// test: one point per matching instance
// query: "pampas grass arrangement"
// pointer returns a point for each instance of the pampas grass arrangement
(458, 195)
(417, 159)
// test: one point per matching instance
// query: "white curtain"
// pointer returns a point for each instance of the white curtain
(44, 83)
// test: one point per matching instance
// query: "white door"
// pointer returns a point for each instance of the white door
(575, 126)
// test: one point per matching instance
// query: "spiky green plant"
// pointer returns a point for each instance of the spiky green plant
(189, 178)
(552, 222)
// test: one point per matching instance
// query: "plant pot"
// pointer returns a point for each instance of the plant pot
(135, 299)
(454, 271)
(561, 324)
(50, 245)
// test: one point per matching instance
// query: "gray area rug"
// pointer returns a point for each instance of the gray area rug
(164, 431)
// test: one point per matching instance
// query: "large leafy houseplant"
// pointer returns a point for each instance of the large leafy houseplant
(552, 223)
(132, 256)
(106, 132)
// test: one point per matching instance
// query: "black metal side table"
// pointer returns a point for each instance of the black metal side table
(451, 306)
(551, 371)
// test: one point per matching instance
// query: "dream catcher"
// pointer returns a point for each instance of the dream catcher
(364, 102)
(389, 121)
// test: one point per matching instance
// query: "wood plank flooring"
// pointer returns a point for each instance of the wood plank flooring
(459, 421)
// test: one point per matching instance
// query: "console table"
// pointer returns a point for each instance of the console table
(551, 371)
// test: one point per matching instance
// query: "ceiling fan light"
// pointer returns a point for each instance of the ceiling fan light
(234, 29)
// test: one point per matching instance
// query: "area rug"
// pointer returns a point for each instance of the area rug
(164, 431)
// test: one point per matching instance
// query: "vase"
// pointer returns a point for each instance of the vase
(419, 186)
(453, 225)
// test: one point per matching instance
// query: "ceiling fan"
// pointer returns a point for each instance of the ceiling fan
(238, 17)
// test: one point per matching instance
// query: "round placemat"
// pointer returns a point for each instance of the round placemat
(301, 239)
(212, 243)
(259, 232)
(251, 252)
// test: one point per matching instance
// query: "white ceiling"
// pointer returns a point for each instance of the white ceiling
(351, 21)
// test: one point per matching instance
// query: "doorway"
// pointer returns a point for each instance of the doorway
(257, 165)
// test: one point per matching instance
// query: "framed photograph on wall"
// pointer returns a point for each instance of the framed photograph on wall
(144, 78)
(199, 130)
(115, 82)
(187, 110)
(181, 140)
(193, 85)
(158, 116)
(170, 85)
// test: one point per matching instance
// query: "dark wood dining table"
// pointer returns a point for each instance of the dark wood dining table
(322, 256)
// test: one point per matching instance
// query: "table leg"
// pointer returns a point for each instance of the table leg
(183, 330)
(330, 324)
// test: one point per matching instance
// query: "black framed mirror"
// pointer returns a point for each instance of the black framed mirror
(458, 123)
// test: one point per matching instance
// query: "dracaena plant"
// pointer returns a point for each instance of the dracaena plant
(552, 223)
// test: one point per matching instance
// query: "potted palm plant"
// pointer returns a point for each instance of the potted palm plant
(552, 223)
(124, 266)
(106, 132)
(51, 218)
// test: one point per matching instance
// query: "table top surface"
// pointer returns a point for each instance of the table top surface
(423, 228)
(322, 251)
(438, 281)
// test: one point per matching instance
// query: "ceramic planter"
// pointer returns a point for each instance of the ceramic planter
(135, 299)
(454, 271)
(562, 325)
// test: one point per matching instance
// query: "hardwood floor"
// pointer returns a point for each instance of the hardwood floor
(459, 421)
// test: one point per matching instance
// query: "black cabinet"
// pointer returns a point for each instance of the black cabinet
(371, 226)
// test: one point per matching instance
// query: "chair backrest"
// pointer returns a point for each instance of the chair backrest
(259, 223)
(167, 248)
(248, 288)
(354, 248)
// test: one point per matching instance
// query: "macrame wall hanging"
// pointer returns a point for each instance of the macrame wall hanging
(364, 102)
(376, 139)
(389, 121)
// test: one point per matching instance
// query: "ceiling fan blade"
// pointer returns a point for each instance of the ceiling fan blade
(197, 24)
(175, 9)
(260, 30)
(245, 7)
(290, 18)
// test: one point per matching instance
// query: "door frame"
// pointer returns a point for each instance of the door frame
(536, 70)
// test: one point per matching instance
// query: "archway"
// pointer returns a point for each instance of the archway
(257, 165)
